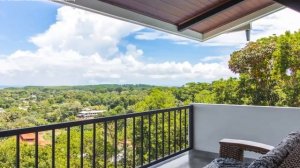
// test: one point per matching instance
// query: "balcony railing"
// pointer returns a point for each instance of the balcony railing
(131, 140)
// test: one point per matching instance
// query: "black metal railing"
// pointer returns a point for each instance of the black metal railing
(131, 140)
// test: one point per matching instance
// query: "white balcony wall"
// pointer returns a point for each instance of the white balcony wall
(267, 125)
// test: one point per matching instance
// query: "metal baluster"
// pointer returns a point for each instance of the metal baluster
(53, 148)
(149, 140)
(36, 149)
(116, 142)
(185, 128)
(156, 136)
(180, 138)
(163, 134)
(68, 147)
(105, 143)
(81, 145)
(94, 145)
(18, 151)
(133, 144)
(142, 141)
(125, 142)
(174, 131)
(169, 132)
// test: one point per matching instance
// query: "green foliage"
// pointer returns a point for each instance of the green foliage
(156, 99)
(205, 96)
(226, 91)
(269, 70)
(287, 69)
(254, 63)
(30, 106)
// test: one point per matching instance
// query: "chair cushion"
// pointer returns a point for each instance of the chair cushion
(293, 159)
(275, 157)
(225, 163)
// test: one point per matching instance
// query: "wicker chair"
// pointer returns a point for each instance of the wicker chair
(284, 155)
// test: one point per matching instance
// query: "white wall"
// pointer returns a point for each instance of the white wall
(261, 124)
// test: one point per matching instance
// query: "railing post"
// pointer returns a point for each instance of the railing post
(191, 126)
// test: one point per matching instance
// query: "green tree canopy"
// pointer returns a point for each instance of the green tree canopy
(269, 70)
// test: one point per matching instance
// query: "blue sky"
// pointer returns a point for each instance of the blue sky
(22, 19)
(43, 43)
(164, 50)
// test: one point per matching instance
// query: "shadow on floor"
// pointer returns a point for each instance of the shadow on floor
(191, 159)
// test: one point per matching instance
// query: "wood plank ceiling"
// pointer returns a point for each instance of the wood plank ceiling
(178, 12)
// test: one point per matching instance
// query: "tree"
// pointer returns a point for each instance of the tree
(269, 70)
(157, 99)
(254, 63)
(226, 91)
(287, 68)
(205, 96)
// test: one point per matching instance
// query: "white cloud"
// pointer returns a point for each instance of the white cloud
(276, 23)
(215, 59)
(49, 67)
(82, 48)
(84, 32)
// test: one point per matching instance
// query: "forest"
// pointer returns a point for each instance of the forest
(269, 75)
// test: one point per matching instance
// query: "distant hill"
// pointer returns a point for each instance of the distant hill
(5, 86)
(101, 87)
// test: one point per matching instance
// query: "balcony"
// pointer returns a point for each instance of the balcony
(212, 123)
(177, 137)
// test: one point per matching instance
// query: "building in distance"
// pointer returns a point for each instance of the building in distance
(2, 110)
(88, 114)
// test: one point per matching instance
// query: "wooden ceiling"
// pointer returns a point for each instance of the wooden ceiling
(189, 18)
(178, 11)
(242, 9)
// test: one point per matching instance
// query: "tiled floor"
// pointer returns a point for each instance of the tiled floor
(187, 160)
